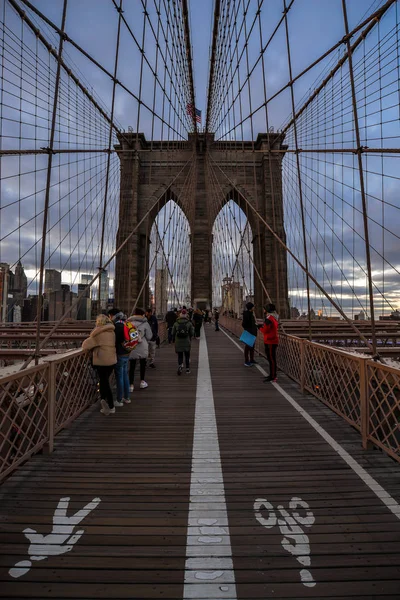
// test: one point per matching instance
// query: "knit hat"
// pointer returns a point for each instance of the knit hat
(249, 305)
(183, 311)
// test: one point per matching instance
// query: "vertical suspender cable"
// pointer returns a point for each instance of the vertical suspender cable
(361, 175)
(48, 179)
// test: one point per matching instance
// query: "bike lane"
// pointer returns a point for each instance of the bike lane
(302, 523)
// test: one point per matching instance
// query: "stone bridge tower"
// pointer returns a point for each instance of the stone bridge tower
(152, 173)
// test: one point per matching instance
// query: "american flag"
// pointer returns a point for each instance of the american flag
(197, 112)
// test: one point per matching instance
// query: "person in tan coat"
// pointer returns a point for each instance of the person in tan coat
(102, 342)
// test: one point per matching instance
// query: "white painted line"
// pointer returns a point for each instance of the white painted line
(208, 567)
(373, 485)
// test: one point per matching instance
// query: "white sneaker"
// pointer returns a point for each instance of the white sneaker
(131, 387)
(105, 409)
(118, 404)
(126, 400)
(143, 385)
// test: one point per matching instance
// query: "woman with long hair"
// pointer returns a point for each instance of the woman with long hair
(102, 342)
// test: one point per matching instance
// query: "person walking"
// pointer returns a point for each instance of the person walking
(216, 319)
(170, 318)
(153, 322)
(249, 324)
(141, 351)
(182, 334)
(271, 339)
(197, 320)
(102, 341)
(122, 366)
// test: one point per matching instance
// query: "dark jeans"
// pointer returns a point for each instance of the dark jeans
(248, 354)
(216, 326)
(122, 377)
(197, 327)
(105, 390)
(169, 335)
(270, 351)
(132, 368)
(187, 358)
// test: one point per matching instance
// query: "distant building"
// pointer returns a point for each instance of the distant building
(4, 286)
(294, 312)
(86, 279)
(395, 316)
(60, 301)
(95, 308)
(52, 281)
(161, 294)
(84, 311)
(20, 285)
(104, 289)
(232, 296)
(360, 316)
(30, 308)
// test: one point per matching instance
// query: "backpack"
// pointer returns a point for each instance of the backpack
(182, 331)
(134, 336)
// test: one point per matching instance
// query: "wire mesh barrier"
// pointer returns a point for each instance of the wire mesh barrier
(36, 403)
(383, 408)
(365, 393)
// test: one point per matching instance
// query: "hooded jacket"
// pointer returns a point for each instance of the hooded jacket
(121, 334)
(182, 344)
(102, 342)
(142, 349)
(270, 328)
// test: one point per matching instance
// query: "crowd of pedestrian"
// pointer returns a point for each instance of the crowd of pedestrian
(119, 343)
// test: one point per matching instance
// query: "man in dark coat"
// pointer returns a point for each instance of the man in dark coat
(182, 332)
(170, 318)
(249, 324)
(216, 319)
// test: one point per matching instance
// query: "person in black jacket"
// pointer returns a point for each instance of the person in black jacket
(170, 318)
(216, 319)
(152, 321)
(122, 366)
(249, 324)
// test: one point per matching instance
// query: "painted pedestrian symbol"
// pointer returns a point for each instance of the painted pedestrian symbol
(61, 539)
(295, 540)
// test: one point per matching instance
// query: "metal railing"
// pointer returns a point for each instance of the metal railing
(365, 393)
(38, 402)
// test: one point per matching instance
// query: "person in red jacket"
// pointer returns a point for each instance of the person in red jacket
(271, 339)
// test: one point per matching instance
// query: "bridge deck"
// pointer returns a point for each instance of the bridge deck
(156, 534)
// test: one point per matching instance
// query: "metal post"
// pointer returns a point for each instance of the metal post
(302, 365)
(364, 404)
(51, 413)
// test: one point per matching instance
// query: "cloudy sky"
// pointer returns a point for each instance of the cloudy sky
(329, 183)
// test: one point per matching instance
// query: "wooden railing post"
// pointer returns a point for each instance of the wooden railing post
(51, 406)
(364, 404)
(302, 365)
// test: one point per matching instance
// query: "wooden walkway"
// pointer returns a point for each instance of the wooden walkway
(291, 518)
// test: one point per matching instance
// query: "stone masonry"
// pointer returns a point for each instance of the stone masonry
(152, 173)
